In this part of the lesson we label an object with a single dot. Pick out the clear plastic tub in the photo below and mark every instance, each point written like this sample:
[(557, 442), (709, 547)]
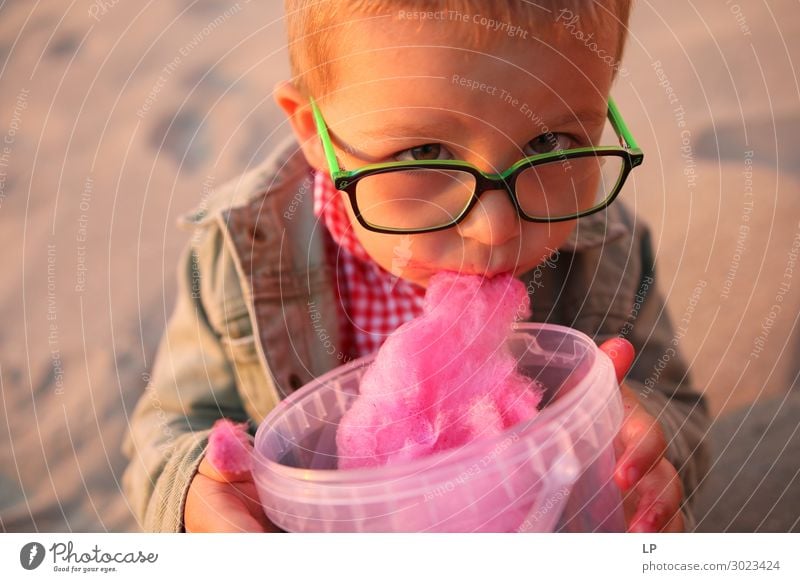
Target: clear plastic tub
[(552, 473)]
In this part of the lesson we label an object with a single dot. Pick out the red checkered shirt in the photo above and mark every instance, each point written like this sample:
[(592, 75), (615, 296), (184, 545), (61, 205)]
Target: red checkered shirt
[(373, 302)]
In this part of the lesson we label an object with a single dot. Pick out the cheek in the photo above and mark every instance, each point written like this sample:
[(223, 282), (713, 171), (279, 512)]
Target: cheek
[(381, 247), (545, 238), (395, 253)]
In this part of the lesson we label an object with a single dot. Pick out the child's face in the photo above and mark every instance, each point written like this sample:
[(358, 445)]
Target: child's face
[(394, 96)]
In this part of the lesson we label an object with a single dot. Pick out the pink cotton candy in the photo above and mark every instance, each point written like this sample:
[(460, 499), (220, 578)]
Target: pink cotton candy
[(444, 378), (229, 448)]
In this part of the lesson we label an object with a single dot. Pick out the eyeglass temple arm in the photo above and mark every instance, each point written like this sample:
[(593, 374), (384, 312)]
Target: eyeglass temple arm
[(619, 126), (327, 145)]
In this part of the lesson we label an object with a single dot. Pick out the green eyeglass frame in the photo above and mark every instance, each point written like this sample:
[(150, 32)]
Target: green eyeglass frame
[(347, 180)]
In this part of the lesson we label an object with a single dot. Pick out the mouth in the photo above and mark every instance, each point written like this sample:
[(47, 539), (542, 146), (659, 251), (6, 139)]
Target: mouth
[(495, 268), (485, 272), (488, 273)]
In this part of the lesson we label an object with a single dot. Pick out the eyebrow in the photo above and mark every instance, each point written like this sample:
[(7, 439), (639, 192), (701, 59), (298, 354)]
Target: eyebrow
[(411, 129), (440, 129), (588, 117)]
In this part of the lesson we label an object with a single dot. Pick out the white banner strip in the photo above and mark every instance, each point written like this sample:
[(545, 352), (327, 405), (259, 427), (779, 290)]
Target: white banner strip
[(400, 557)]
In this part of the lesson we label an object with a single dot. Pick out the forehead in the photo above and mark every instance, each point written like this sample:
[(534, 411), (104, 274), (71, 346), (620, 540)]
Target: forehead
[(389, 65)]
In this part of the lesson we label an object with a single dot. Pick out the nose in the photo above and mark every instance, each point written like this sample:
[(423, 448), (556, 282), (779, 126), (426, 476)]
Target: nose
[(493, 221)]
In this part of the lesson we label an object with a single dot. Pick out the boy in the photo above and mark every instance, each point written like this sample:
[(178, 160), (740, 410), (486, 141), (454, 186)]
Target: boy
[(286, 277)]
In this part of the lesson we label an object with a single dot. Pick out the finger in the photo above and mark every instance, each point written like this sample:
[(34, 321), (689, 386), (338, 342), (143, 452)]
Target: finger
[(212, 506), (630, 503), (630, 405), (622, 353), (676, 524), (643, 447), (660, 500), (207, 469)]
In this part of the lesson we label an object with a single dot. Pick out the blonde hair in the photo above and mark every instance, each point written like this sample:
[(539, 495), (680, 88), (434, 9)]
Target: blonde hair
[(312, 25)]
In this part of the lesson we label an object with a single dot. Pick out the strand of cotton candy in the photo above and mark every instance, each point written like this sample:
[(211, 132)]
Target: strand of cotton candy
[(444, 378), (229, 447)]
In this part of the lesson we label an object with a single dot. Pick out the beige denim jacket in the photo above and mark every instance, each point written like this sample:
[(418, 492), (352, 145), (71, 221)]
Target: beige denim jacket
[(242, 336)]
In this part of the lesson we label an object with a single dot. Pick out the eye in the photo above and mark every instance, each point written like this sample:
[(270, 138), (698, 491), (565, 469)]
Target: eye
[(550, 142), (426, 152)]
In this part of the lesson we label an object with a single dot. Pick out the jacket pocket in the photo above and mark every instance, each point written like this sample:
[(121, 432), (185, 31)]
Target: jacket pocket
[(256, 387)]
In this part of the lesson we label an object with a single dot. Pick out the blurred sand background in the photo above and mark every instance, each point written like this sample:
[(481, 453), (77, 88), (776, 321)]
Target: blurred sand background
[(117, 116)]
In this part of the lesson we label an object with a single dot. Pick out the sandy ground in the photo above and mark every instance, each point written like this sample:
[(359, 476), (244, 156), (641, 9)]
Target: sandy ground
[(115, 117)]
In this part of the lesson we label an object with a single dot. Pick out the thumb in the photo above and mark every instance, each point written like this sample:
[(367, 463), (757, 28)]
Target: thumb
[(208, 469), (621, 352)]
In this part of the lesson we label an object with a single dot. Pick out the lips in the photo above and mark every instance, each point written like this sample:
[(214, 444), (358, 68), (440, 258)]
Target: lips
[(488, 272), (499, 273)]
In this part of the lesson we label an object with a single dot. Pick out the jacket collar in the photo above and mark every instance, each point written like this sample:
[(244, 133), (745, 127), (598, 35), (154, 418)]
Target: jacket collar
[(596, 230)]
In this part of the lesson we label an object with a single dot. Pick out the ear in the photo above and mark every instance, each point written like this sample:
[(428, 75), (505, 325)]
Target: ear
[(298, 110)]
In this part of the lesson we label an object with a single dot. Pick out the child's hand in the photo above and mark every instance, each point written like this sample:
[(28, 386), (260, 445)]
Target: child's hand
[(654, 490), (224, 502)]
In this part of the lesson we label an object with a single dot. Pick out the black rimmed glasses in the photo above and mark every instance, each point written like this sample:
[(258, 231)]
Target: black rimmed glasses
[(408, 197)]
